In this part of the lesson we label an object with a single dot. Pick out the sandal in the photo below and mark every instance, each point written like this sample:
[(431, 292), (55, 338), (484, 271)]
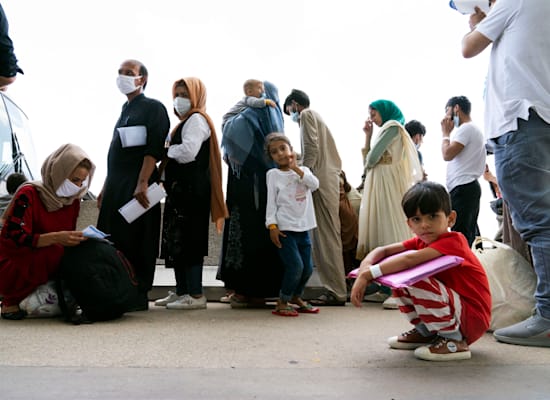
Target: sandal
[(227, 298), (238, 301), (285, 312), (327, 300), (308, 309)]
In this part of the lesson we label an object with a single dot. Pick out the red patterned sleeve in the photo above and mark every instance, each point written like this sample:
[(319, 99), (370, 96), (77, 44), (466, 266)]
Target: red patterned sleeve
[(19, 222)]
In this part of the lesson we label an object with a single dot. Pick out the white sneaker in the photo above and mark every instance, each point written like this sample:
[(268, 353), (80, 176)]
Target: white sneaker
[(187, 302), (390, 304), (168, 299)]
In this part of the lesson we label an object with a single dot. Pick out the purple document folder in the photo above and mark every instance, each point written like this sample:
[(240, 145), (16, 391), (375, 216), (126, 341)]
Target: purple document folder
[(412, 275)]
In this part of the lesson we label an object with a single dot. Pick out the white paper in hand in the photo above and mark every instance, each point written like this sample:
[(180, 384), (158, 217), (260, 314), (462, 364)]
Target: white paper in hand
[(133, 210), (131, 136), (93, 233)]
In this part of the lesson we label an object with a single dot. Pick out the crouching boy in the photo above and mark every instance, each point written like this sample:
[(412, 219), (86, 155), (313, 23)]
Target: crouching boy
[(449, 310)]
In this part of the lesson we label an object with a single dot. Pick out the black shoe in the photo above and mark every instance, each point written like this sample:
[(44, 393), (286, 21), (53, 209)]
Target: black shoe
[(14, 315), (142, 304)]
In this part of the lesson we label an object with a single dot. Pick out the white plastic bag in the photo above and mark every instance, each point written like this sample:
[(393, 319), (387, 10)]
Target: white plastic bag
[(43, 302), (512, 282)]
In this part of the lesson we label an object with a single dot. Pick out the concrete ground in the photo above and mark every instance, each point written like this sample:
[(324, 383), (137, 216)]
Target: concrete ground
[(224, 353)]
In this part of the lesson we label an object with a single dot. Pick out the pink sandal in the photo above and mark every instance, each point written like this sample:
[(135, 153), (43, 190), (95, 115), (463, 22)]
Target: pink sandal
[(285, 312)]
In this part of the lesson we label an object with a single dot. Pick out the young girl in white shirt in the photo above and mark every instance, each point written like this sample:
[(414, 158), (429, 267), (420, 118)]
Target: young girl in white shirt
[(289, 217)]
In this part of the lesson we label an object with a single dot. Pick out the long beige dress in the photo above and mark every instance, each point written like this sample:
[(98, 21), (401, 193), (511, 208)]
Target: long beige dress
[(319, 154), (381, 218)]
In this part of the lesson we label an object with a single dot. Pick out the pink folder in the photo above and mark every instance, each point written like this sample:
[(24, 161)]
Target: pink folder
[(412, 275)]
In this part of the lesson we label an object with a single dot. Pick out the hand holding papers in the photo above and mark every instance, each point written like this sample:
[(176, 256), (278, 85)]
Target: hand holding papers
[(412, 275), (132, 210)]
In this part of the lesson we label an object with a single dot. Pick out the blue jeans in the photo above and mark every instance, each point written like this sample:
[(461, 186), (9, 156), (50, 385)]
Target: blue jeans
[(188, 279), (522, 161), (298, 264)]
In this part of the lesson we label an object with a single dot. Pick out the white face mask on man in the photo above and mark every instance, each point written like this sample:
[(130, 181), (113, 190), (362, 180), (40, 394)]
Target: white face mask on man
[(182, 105), (69, 189), (127, 84)]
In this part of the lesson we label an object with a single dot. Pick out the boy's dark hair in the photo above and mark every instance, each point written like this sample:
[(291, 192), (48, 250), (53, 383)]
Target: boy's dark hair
[(299, 97), (15, 180), (274, 137), (462, 102), (414, 127), (427, 197)]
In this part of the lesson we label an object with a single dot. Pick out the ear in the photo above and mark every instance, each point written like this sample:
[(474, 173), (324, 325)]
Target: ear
[(457, 109), (451, 219), (142, 81)]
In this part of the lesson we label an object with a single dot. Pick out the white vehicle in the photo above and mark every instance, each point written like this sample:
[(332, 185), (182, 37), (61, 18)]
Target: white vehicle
[(17, 153)]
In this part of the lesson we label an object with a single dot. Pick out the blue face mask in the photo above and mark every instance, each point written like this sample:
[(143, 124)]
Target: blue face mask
[(295, 116), (456, 120)]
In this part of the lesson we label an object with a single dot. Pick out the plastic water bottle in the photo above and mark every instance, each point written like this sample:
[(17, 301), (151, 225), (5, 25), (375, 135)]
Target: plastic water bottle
[(468, 6)]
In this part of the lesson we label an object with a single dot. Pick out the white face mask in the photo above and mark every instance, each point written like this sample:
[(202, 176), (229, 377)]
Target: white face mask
[(127, 84), (456, 120), (182, 105), (69, 189)]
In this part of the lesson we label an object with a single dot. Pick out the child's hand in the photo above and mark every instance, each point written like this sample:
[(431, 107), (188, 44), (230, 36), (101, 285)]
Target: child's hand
[(363, 279), (294, 166), (270, 103), (274, 236), (292, 161), (358, 290)]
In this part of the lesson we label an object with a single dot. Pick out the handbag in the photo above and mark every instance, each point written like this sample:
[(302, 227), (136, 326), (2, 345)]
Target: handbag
[(43, 302), (512, 282)]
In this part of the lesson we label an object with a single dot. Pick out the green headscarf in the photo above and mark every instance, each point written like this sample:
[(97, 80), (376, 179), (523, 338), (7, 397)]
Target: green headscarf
[(388, 110)]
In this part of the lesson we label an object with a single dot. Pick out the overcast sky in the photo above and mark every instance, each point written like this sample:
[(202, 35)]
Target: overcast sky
[(344, 54)]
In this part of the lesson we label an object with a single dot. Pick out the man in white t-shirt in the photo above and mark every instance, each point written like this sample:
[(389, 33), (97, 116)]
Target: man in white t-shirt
[(517, 118), (463, 147)]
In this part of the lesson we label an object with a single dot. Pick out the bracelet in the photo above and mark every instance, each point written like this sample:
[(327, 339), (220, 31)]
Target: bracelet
[(446, 139), (375, 271), (272, 227)]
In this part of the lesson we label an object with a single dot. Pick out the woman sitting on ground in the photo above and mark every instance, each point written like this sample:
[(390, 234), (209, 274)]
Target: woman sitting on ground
[(40, 222)]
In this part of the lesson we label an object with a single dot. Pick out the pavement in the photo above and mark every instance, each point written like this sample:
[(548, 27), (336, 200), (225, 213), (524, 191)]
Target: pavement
[(224, 353)]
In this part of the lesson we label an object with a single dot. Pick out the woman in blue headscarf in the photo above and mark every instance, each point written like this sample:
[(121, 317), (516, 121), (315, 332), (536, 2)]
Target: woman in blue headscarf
[(391, 168), (249, 263)]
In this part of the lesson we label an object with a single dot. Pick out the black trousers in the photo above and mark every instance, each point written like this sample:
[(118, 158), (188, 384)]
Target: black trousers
[(465, 201)]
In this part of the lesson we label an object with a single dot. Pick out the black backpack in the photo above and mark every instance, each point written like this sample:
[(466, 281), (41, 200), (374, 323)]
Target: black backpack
[(99, 278)]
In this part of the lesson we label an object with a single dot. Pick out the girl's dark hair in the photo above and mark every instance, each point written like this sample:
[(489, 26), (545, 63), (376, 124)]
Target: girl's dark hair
[(347, 186), (274, 137), (427, 197)]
